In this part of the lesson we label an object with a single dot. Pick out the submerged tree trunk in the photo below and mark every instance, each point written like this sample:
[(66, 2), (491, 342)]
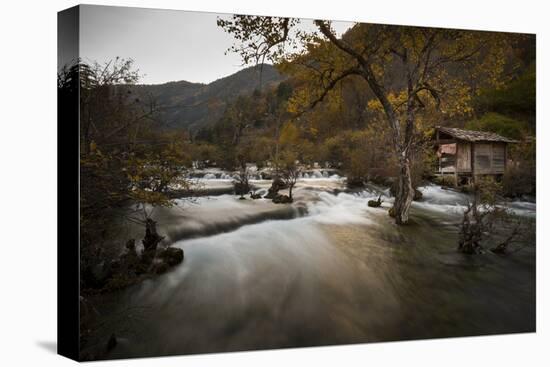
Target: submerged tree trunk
[(403, 144), (150, 241), (405, 193)]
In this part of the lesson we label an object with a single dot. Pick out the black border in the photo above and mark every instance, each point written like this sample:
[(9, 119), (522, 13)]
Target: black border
[(68, 211)]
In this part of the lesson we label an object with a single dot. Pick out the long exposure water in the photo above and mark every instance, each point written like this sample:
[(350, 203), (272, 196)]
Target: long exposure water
[(325, 270)]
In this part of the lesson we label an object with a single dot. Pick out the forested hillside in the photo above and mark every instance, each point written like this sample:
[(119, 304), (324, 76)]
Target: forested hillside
[(347, 128), (189, 106)]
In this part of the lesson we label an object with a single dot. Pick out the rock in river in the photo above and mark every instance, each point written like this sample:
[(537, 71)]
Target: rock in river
[(171, 255)]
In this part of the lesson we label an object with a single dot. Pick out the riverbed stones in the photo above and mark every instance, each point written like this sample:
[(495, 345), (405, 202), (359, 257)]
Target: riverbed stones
[(254, 196), (166, 258), (282, 199), (171, 256)]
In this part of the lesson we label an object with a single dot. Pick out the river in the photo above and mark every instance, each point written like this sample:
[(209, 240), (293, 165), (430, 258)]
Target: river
[(325, 270)]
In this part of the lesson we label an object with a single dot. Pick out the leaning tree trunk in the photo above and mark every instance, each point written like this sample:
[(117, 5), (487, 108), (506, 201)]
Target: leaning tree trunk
[(405, 192)]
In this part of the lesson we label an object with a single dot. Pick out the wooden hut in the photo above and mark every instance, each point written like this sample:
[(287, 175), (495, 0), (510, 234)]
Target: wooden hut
[(466, 154)]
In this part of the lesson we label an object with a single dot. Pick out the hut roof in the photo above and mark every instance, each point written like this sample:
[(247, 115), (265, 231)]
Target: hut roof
[(474, 136)]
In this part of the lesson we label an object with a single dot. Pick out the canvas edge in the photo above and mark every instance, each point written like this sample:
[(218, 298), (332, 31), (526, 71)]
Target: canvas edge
[(68, 211)]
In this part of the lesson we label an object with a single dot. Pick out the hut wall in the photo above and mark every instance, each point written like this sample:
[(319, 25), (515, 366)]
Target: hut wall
[(447, 160), (464, 158), (489, 158), (498, 159)]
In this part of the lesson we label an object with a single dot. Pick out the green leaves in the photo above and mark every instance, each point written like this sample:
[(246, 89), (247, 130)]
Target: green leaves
[(500, 124)]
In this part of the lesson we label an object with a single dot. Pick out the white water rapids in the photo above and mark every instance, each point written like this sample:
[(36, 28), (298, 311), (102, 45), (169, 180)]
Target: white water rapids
[(327, 269)]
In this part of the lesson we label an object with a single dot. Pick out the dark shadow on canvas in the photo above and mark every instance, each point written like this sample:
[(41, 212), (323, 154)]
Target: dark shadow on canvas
[(50, 346)]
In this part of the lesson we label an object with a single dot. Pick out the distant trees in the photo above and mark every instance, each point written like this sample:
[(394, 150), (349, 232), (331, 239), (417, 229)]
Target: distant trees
[(509, 110), (405, 69), (500, 124), (249, 128), (516, 99)]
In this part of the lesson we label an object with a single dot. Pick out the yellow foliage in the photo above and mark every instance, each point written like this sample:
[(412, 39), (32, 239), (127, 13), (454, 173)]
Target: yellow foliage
[(289, 134)]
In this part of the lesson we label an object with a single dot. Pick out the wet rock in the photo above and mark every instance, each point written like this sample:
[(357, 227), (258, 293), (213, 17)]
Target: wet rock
[(417, 195), (171, 256), (254, 196), (282, 199), (166, 258), (375, 203), (276, 185)]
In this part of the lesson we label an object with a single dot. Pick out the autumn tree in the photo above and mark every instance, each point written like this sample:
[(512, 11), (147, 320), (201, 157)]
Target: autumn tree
[(290, 174), (127, 168), (404, 68)]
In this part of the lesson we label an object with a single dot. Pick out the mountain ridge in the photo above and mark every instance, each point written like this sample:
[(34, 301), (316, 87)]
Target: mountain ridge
[(191, 106)]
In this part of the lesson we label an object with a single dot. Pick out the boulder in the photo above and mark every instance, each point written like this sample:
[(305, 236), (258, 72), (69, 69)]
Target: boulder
[(171, 256), (375, 203), (276, 185), (254, 196)]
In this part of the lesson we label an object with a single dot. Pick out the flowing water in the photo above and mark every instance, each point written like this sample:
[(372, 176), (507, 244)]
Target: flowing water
[(325, 270)]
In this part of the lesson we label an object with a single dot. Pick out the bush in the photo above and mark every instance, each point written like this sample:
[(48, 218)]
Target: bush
[(520, 176)]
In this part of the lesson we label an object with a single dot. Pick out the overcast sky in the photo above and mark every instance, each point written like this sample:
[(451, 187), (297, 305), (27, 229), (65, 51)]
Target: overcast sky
[(166, 45)]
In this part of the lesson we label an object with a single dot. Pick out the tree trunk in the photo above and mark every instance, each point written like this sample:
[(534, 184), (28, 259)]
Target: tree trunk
[(405, 192), (290, 190), (150, 241)]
